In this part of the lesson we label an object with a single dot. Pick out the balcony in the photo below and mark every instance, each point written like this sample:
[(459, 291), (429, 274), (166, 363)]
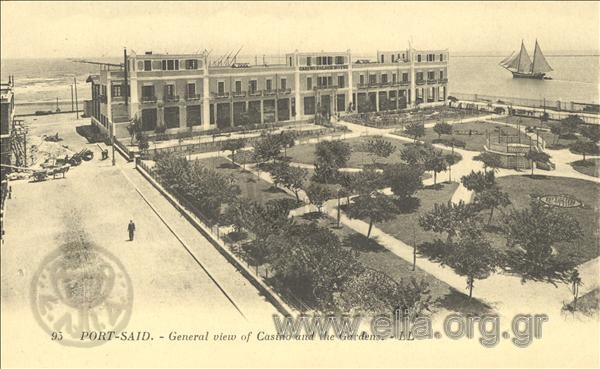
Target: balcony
[(404, 83), (171, 98), (238, 94), (420, 82), (269, 92), (431, 81), (191, 97), (325, 87), (285, 91), (443, 80), (255, 93), (220, 95), (148, 99)]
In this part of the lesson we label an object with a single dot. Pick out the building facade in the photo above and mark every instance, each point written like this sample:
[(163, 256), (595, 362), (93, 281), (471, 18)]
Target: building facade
[(185, 92), (7, 116)]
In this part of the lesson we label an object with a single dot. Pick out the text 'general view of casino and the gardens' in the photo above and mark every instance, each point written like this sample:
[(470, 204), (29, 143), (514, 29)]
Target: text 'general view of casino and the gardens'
[(170, 188)]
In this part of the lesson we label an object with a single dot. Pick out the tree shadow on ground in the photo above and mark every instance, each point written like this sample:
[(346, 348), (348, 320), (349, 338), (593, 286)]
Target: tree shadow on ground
[(435, 187), (312, 216), (460, 303), (227, 166), (537, 176), (408, 205), (273, 189), (359, 242)]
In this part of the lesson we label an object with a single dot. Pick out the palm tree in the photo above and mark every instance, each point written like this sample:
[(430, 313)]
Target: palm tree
[(575, 281)]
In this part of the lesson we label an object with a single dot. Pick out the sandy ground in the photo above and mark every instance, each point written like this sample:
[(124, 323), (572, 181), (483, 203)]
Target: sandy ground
[(93, 205)]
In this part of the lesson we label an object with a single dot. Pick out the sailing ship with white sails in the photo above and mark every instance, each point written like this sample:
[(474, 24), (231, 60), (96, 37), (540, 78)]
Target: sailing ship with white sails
[(521, 66)]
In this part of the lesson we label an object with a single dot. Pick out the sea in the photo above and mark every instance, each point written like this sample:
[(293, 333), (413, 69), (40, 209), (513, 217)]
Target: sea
[(45, 84)]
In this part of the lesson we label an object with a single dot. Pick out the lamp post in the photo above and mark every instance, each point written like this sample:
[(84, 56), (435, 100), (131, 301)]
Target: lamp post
[(112, 142)]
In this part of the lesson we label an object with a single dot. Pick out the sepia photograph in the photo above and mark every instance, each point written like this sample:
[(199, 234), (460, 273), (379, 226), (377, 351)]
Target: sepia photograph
[(320, 184)]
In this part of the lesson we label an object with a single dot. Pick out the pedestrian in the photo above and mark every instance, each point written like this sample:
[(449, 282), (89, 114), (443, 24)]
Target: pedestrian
[(131, 229)]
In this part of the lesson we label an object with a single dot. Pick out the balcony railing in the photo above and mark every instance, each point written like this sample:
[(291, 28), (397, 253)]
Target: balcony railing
[(238, 94), (255, 93), (420, 82), (285, 91), (190, 97), (148, 99), (325, 87), (431, 81), (171, 98), (443, 80), (404, 83), (222, 95), (269, 92)]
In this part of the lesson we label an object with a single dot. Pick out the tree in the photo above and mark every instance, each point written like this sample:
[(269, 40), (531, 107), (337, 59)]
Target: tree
[(491, 198), (436, 162), (404, 180), (309, 259), (415, 130), (330, 157), (287, 140), (233, 146), (376, 207), (447, 218), (585, 148), (318, 194), (442, 128), (379, 148), (490, 160), (289, 177), (530, 235), (575, 281), (556, 130), (471, 256), (366, 181), (571, 124), (269, 148), (535, 157), (479, 181), (416, 154), (592, 132)]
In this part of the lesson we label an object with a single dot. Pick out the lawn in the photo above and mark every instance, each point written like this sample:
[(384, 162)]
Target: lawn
[(591, 167), (306, 153), (525, 121), (473, 134), (406, 227), (520, 187), (251, 187), (377, 257), (587, 304)]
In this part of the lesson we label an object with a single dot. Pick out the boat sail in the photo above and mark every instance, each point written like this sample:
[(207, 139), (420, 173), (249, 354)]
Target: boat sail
[(521, 66)]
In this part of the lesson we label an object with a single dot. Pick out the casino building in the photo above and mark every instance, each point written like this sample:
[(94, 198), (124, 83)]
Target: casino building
[(188, 92)]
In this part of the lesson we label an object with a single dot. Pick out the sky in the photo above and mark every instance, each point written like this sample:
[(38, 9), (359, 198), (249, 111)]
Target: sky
[(102, 29)]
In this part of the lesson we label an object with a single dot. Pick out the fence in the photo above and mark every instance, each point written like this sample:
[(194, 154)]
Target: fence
[(212, 234), (570, 106)]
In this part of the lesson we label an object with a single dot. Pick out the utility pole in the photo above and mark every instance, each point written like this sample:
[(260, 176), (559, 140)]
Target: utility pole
[(112, 142), (76, 103), (72, 103)]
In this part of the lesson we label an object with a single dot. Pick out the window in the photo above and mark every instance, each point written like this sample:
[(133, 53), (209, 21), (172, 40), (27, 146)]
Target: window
[(269, 84), (318, 60), (361, 79), (147, 65), (441, 57), (221, 88), (430, 75), (238, 86), (116, 91), (419, 76), (382, 58), (441, 74), (148, 91), (283, 83), (372, 79), (308, 83), (191, 64), (394, 79), (191, 89), (339, 60), (170, 90), (252, 86), (164, 65), (330, 60), (308, 61), (290, 61), (341, 81), (170, 64), (419, 58), (384, 78), (404, 77)]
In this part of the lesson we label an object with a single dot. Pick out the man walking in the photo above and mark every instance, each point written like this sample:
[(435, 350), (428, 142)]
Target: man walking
[(131, 229)]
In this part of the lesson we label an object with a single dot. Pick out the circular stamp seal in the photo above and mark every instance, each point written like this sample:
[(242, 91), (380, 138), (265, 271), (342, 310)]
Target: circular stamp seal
[(81, 289)]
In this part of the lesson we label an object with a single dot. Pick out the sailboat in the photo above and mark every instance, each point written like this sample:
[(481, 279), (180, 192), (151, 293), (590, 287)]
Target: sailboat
[(521, 66)]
